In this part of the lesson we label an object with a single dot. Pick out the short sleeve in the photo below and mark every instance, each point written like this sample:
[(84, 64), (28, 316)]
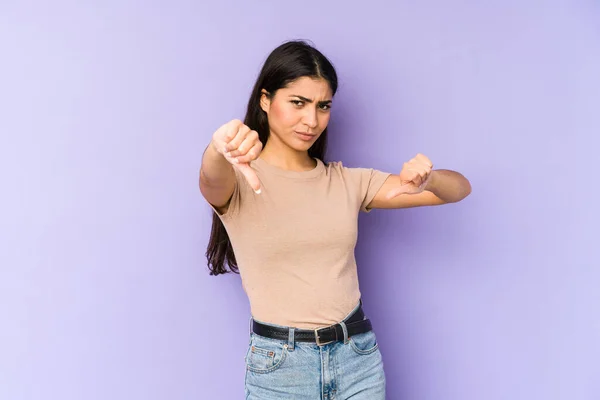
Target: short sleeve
[(366, 183), (371, 181), (236, 198)]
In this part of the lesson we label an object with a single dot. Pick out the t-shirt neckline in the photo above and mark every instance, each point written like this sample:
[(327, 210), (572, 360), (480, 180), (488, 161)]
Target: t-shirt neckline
[(262, 164)]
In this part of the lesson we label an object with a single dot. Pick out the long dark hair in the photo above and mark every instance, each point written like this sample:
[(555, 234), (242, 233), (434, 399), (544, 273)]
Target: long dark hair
[(288, 62)]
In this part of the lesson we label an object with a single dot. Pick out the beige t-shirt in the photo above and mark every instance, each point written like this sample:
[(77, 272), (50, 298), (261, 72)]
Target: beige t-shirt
[(294, 242)]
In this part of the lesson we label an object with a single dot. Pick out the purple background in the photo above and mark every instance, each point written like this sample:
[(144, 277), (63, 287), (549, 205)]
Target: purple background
[(106, 108)]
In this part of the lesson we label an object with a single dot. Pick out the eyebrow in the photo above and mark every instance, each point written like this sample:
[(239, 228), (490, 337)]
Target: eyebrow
[(309, 100)]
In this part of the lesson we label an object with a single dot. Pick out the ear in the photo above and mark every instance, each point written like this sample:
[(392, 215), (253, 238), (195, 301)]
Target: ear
[(265, 101)]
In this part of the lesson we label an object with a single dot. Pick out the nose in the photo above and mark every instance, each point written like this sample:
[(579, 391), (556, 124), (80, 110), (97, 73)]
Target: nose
[(311, 117)]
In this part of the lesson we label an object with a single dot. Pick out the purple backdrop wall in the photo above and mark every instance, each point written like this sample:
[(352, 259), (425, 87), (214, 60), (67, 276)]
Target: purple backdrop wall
[(106, 108)]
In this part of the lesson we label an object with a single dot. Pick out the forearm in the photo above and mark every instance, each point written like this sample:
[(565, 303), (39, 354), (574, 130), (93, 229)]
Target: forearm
[(448, 185), (216, 171)]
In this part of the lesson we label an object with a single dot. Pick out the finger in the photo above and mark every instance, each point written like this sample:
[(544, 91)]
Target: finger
[(423, 171), (415, 176), (408, 172), (424, 160), (250, 176), (414, 165), (225, 134), (232, 160), (247, 144), (234, 143), (252, 154), (425, 182), (422, 165)]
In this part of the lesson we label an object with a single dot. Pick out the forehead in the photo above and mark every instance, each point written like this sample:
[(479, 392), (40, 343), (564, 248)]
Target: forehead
[(313, 88)]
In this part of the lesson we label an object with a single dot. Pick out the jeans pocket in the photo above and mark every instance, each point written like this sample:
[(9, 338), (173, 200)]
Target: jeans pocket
[(364, 343), (265, 355)]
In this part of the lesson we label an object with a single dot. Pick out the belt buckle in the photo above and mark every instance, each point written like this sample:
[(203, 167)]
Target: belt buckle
[(319, 343)]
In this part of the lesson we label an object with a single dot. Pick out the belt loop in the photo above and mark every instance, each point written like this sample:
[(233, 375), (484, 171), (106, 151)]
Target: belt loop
[(291, 338), (345, 330)]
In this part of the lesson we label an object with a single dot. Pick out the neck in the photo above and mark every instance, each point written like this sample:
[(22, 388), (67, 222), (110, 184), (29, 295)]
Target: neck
[(282, 156)]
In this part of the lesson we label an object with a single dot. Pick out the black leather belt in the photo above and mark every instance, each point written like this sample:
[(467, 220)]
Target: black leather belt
[(355, 324)]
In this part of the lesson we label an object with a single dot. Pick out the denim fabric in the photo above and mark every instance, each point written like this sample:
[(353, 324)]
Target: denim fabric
[(283, 369)]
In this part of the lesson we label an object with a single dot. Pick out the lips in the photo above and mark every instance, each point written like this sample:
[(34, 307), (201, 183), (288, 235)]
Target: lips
[(305, 135)]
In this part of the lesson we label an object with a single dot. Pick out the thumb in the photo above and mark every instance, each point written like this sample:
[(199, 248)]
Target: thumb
[(250, 176)]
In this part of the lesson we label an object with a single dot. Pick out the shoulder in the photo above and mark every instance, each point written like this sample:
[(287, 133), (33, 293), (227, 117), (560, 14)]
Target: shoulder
[(334, 165), (337, 168), (345, 170)]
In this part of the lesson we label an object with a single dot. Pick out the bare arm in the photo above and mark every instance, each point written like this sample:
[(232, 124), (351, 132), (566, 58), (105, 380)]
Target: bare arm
[(418, 185), (217, 178), (233, 145), (445, 186), (448, 185)]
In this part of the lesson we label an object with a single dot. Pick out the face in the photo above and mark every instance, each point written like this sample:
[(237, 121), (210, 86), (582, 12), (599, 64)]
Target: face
[(299, 112)]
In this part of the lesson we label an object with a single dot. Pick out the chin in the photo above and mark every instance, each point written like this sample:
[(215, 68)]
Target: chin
[(301, 145), (304, 146)]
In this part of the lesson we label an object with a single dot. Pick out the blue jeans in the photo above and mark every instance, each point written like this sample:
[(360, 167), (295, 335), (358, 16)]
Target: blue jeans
[(283, 369)]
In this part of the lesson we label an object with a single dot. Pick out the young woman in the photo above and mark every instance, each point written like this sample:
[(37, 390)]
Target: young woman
[(288, 221)]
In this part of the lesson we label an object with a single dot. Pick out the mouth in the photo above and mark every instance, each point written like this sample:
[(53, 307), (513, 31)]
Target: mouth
[(305, 135)]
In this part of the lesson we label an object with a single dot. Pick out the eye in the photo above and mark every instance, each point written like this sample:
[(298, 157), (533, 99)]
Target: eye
[(297, 103), (325, 107)]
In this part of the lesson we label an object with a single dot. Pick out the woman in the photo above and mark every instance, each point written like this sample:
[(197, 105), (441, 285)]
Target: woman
[(289, 221)]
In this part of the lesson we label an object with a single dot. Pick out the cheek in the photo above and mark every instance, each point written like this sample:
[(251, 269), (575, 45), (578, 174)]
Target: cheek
[(282, 115), (324, 120)]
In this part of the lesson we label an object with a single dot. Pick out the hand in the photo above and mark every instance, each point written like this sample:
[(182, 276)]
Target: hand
[(414, 176), (239, 145)]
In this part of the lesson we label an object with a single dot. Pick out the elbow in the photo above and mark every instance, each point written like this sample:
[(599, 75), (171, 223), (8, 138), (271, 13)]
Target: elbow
[(465, 190), (460, 191)]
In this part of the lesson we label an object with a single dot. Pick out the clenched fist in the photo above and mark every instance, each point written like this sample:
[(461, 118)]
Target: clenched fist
[(239, 145), (414, 176)]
